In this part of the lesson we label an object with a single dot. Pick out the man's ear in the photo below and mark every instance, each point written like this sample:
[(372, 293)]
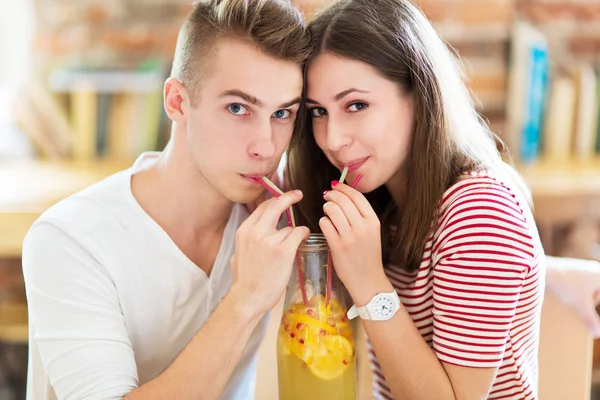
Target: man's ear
[(176, 99)]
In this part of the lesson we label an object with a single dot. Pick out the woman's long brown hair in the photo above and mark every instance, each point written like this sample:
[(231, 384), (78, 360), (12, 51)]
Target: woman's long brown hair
[(449, 137)]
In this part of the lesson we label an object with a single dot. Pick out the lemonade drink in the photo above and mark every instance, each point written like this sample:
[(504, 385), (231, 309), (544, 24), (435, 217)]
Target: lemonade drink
[(315, 351)]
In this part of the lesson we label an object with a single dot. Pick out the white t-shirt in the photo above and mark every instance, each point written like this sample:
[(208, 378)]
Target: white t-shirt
[(113, 301)]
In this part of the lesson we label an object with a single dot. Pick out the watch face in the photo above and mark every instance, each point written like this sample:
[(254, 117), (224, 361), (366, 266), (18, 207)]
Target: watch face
[(384, 306)]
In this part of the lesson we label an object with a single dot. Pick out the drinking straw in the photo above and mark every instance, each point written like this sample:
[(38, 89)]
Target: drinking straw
[(329, 260), (356, 180), (329, 279), (344, 173), (275, 191), (278, 192)]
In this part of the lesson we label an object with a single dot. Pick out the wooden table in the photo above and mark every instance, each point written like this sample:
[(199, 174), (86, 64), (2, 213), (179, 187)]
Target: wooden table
[(566, 199), (27, 189)]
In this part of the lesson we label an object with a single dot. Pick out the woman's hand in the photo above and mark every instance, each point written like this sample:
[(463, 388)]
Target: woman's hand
[(352, 230)]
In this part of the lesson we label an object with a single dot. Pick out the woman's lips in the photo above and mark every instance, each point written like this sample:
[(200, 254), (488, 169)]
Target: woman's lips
[(356, 164)]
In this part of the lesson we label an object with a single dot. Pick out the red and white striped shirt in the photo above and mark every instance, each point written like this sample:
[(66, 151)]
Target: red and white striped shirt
[(476, 298)]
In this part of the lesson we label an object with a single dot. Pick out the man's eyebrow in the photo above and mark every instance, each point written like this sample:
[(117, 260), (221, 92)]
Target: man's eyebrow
[(255, 101), (291, 102), (242, 95)]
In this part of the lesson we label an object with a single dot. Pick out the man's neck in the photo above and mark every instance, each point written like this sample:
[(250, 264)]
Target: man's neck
[(178, 197)]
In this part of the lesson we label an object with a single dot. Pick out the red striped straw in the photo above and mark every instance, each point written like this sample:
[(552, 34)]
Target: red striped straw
[(330, 261), (356, 180), (275, 191), (329, 279)]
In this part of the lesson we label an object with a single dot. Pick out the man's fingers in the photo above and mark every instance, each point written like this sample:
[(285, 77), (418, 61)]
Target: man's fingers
[(257, 213), (280, 235), (274, 208), (295, 238)]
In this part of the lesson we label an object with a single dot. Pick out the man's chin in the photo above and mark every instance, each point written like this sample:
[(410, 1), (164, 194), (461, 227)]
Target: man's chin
[(248, 196)]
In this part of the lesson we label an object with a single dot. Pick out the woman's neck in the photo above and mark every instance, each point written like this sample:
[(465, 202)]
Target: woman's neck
[(396, 186)]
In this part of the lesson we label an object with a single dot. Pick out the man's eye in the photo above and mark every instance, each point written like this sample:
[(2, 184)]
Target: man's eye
[(237, 109), (282, 114)]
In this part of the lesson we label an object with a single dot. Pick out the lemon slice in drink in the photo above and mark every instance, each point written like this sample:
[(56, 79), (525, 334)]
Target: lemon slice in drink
[(319, 304), (313, 323), (331, 357)]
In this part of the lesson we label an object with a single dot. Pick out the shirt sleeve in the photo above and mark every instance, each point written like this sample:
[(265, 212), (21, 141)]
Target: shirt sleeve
[(77, 322), (481, 278)]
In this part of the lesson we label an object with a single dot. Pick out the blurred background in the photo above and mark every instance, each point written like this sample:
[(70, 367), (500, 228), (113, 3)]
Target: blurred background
[(80, 98)]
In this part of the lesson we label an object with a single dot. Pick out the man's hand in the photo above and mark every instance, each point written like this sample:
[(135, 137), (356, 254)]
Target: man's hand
[(264, 256)]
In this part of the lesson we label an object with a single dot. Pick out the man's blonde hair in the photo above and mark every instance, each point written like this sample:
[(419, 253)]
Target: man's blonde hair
[(275, 27)]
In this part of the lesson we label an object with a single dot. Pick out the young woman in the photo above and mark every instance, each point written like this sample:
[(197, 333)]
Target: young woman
[(438, 219)]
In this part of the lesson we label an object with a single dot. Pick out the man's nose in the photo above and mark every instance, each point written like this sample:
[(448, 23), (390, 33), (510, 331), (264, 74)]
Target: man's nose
[(262, 144)]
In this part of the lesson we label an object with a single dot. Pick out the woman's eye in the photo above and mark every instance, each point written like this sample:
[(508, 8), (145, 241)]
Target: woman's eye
[(318, 112), (282, 114), (237, 109), (355, 107)]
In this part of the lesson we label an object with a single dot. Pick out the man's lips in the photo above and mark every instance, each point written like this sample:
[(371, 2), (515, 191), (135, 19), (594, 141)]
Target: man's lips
[(253, 176), (259, 175)]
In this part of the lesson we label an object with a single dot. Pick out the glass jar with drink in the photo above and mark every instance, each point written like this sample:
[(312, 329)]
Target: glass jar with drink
[(315, 346)]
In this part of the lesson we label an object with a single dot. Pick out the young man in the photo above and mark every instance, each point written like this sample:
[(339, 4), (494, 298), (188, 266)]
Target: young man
[(130, 286)]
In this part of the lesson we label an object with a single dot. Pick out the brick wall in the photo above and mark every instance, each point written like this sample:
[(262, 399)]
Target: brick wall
[(101, 32), (123, 30), (479, 30), (573, 26)]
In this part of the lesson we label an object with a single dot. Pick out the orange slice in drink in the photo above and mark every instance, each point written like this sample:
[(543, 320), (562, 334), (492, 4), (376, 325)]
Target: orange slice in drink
[(331, 357)]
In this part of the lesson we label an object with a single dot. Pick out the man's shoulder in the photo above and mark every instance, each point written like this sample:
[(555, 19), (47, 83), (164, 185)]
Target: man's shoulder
[(96, 204)]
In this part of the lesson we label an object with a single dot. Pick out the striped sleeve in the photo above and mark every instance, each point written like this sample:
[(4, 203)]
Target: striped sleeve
[(484, 252)]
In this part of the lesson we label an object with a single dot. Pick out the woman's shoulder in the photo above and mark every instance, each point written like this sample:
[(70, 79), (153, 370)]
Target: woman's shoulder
[(482, 213), (485, 201), (484, 188)]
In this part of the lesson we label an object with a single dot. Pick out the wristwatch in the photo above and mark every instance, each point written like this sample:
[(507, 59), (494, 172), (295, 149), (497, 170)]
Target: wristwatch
[(382, 307)]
